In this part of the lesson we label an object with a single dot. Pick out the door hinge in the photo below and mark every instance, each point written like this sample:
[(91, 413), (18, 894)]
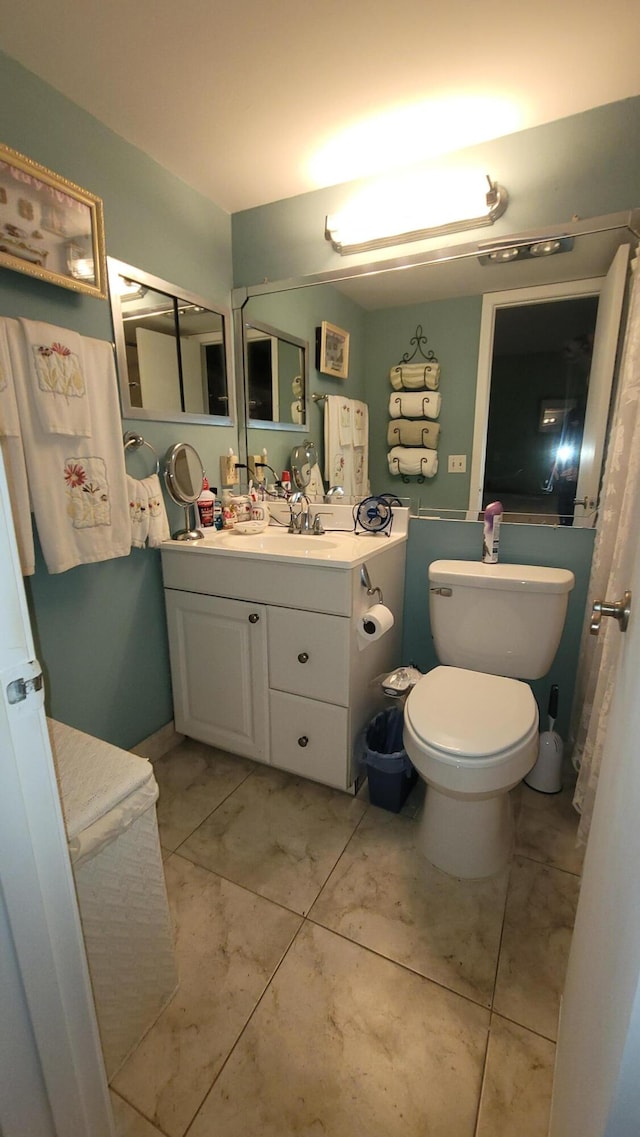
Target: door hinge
[(20, 689)]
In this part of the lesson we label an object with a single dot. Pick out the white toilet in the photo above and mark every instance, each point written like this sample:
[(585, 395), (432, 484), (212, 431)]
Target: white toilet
[(471, 727)]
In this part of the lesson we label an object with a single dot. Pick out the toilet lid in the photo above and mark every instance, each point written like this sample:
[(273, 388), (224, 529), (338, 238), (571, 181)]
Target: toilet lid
[(470, 714)]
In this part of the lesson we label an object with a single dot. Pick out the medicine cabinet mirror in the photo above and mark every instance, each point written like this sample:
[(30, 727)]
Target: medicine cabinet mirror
[(172, 350), (441, 290), (276, 377)]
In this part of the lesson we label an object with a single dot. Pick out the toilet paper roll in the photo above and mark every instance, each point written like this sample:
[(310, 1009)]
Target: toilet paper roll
[(374, 623)]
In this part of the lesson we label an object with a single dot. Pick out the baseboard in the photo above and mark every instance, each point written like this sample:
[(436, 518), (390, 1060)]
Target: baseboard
[(158, 743)]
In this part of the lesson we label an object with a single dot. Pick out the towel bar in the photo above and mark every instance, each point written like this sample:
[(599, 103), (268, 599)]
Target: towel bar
[(134, 441)]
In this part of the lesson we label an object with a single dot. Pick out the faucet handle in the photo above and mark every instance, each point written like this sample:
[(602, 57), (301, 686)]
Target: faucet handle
[(318, 527)]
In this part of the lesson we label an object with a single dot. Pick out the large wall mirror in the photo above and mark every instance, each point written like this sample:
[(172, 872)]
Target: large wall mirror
[(276, 377), (540, 358), (172, 349)]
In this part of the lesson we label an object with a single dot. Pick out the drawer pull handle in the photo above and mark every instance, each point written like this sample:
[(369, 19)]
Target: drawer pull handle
[(303, 740), (303, 657), (253, 618)]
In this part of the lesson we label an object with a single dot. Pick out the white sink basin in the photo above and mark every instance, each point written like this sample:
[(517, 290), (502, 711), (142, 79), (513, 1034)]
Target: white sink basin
[(287, 544)]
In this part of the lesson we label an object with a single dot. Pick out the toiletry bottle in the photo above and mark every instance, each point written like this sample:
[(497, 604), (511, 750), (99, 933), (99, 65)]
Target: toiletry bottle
[(285, 481), (206, 503), (491, 532), (217, 511), (228, 518)]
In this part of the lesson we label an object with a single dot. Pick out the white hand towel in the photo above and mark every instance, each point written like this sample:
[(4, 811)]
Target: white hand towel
[(316, 484), (414, 405), (413, 461), (78, 486), (345, 425), (157, 513), (138, 512), (414, 376), (56, 372), (13, 455), (413, 432), (360, 423)]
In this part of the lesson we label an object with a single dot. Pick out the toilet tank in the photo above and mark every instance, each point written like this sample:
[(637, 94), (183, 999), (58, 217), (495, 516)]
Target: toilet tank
[(499, 619)]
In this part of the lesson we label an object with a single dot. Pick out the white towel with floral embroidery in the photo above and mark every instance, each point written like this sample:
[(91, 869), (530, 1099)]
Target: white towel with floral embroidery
[(78, 484), (138, 512), (57, 374), (158, 520), (13, 455)]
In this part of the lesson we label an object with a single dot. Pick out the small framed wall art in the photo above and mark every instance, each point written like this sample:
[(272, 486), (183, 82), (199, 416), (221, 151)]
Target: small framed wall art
[(50, 227), (332, 356)]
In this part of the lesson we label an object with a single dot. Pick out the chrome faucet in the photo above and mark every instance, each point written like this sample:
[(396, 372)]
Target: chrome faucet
[(300, 522)]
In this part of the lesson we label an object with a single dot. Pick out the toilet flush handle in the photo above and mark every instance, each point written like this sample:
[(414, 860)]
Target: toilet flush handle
[(619, 609)]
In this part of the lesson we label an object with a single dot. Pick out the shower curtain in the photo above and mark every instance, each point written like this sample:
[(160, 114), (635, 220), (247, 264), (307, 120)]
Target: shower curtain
[(618, 530)]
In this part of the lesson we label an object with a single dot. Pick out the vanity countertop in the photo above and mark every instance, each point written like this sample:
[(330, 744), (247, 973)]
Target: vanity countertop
[(335, 550)]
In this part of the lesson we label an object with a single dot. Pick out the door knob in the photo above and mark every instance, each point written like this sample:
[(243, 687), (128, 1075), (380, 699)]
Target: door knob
[(620, 610)]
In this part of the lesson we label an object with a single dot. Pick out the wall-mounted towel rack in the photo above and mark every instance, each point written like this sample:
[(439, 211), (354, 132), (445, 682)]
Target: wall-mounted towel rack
[(133, 441), (315, 398)]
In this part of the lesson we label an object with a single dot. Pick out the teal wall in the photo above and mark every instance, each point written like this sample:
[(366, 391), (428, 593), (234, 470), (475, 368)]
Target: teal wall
[(100, 629), (519, 544), (452, 328), (586, 164)]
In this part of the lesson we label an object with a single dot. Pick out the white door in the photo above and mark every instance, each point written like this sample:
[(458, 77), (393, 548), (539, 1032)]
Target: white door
[(610, 291), (597, 1084), (52, 1081), (600, 380)]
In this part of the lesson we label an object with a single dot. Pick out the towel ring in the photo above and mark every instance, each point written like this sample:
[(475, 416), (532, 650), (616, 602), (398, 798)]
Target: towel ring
[(133, 441)]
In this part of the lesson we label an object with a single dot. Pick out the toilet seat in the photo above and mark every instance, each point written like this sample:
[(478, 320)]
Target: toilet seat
[(469, 718)]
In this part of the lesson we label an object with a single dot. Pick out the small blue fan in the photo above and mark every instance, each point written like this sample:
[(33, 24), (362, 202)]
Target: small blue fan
[(374, 515)]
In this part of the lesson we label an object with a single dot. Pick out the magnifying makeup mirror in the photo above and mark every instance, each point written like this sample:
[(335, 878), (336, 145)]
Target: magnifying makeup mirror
[(183, 475), (303, 459)]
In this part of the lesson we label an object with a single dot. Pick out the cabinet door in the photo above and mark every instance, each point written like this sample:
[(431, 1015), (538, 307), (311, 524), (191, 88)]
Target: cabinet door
[(309, 654), (311, 739), (218, 652)]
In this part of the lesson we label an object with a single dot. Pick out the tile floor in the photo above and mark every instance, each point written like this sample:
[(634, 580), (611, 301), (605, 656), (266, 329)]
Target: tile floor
[(333, 984)]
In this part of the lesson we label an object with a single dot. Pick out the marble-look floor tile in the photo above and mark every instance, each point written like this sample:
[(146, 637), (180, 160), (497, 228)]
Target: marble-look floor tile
[(547, 827), (384, 895), (193, 779), (228, 944), (516, 1092), (538, 924), (347, 1044), (128, 1122), (278, 835)]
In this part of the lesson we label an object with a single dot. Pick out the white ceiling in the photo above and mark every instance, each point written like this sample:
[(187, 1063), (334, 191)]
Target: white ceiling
[(258, 100)]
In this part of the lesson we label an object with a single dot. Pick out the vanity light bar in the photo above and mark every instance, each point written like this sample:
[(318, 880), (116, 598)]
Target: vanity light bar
[(495, 253), (336, 228)]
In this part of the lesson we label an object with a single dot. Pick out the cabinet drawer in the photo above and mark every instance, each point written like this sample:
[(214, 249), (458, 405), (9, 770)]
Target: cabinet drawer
[(309, 654), (310, 738)]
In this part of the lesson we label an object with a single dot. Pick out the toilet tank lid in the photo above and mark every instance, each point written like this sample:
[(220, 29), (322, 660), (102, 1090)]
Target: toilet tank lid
[(512, 578)]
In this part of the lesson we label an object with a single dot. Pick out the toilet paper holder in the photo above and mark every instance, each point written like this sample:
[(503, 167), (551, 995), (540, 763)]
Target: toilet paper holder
[(366, 583)]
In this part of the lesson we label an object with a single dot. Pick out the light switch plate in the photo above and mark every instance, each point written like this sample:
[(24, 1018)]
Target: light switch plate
[(457, 463)]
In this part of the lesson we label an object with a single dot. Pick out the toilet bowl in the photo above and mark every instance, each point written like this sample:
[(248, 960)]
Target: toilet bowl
[(472, 737)]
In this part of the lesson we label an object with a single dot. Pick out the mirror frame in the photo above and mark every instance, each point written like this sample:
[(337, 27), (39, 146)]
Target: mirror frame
[(286, 337), (115, 269), (627, 219), (171, 482)]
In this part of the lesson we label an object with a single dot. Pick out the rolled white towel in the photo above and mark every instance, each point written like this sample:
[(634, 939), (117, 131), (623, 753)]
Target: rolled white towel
[(414, 376), (413, 432), (414, 404), (413, 461)]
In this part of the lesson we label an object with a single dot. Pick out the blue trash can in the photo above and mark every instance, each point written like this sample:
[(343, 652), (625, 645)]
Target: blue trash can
[(390, 773)]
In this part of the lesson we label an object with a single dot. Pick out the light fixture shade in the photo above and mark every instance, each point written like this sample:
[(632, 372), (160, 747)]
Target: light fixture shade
[(405, 210)]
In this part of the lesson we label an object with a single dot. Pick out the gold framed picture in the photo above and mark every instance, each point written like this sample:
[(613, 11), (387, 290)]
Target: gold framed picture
[(49, 227), (333, 350)]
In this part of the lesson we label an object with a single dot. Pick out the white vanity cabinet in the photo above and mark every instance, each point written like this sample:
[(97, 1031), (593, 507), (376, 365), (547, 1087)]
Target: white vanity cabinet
[(266, 660), (218, 651)]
